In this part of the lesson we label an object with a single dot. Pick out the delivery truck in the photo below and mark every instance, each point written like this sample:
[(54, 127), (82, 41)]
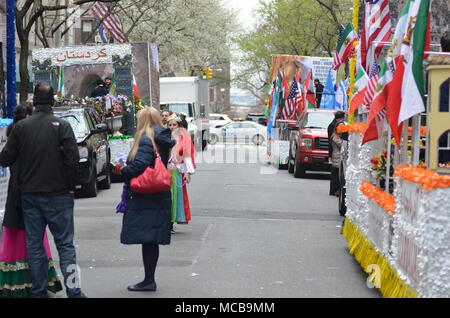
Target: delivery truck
[(189, 95)]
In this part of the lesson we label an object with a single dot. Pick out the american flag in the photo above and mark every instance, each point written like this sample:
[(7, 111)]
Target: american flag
[(292, 101), (372, 85), (110, 20), (337, 59), (377, 27)]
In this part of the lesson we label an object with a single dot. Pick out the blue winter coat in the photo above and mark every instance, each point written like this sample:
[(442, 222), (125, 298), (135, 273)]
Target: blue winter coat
[(147, 219)]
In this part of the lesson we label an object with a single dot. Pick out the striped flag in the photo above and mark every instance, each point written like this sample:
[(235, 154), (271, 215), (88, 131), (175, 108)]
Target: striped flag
[(377, 27), (290, 105), (362, 80), (110, 20), (376, 123), (309, 91), (395, 97), (61, 82), (346, 41), (372, 85), (417, 41), (137, 96)]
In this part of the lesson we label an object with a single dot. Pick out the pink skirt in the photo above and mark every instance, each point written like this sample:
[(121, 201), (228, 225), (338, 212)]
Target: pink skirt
[(13, 247), (15, 279)]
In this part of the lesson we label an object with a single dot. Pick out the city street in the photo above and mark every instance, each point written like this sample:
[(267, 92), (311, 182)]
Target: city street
[(252, 234)]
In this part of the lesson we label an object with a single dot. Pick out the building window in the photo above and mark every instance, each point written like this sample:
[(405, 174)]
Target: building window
[(87, 26), (444, 97), (444, 148)]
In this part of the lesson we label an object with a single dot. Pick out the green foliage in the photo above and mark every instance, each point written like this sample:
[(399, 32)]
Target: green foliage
[(292, 27)]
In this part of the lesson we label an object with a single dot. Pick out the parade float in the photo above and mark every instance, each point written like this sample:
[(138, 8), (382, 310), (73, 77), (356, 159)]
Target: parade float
[(291, 75), (133, 68), (397, 222)]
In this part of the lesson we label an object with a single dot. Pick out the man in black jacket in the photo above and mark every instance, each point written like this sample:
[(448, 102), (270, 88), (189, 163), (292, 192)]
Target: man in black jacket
[(100, 90), (319, 92), (47, 152)]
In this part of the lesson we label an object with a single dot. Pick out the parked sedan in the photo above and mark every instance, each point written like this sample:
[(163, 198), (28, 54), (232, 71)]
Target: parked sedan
[(218, 120), (239, 131), (92, 138)]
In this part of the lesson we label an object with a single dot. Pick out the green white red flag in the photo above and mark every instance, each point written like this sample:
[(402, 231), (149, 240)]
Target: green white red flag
[(345, 45), (61, 87), (137, 96), (413, 87), (362, 79), (376, 123), (308, 91), (411, 39)]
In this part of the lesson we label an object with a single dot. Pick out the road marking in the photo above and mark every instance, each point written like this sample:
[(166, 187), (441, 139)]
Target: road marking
[(203, 239)]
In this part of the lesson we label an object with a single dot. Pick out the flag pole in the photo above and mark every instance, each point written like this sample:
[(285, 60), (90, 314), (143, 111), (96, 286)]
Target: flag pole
[(415, 140), (388, 160), (355, 22)]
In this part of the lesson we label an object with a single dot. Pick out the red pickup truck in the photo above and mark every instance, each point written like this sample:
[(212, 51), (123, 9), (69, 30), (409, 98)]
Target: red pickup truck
[(309, 142)]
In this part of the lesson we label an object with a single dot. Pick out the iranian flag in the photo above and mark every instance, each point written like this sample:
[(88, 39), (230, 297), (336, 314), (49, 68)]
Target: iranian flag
[(345, 46), (137, 96), (362, 79), (309, 92), (411, 39), (376, 123), (413, 86), (401, 29), (60, 92)]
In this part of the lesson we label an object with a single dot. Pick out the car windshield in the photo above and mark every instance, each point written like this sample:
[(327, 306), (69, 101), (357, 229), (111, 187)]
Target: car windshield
[(76, 121), (318, 120), (179, 108)]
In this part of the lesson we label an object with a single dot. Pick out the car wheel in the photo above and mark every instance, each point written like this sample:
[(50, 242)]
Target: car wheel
[(258, 140), (213, 139), (90, 189), (204, 142), (290, 165), (105, 184), (299, 169), (342, 205)]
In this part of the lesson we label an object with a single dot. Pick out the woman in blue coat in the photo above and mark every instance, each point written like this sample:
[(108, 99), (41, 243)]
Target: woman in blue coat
[(147, 219)]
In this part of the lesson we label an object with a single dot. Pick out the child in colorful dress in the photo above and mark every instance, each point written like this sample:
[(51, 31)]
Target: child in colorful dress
[(182, 166)]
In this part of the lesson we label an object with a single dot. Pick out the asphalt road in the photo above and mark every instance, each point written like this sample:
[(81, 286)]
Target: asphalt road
[(256, 232)]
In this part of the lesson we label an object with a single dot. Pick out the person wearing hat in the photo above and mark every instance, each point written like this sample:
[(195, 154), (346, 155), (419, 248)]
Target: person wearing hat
[(100, 90), (183, 122), (46, 150), (108, 80)]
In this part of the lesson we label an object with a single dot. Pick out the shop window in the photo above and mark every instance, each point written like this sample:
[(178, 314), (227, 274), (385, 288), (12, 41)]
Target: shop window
[(444, 97), (444, 148)]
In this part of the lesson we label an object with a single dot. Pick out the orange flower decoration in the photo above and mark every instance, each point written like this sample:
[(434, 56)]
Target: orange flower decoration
[(358, 128), (429, 180), (383, 199), (343, 129), (423, 131)]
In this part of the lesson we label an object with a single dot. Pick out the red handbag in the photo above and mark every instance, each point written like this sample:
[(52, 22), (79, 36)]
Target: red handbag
[(153, 180)]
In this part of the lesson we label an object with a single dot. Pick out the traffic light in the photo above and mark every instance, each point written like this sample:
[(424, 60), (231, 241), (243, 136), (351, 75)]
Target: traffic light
[(209, 73), (205, 72)]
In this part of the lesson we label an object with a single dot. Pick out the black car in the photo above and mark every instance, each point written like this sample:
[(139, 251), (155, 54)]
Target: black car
[(257, 117), (92, 138)]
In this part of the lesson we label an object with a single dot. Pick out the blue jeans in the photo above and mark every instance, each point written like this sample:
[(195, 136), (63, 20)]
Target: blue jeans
[(56, 212)]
